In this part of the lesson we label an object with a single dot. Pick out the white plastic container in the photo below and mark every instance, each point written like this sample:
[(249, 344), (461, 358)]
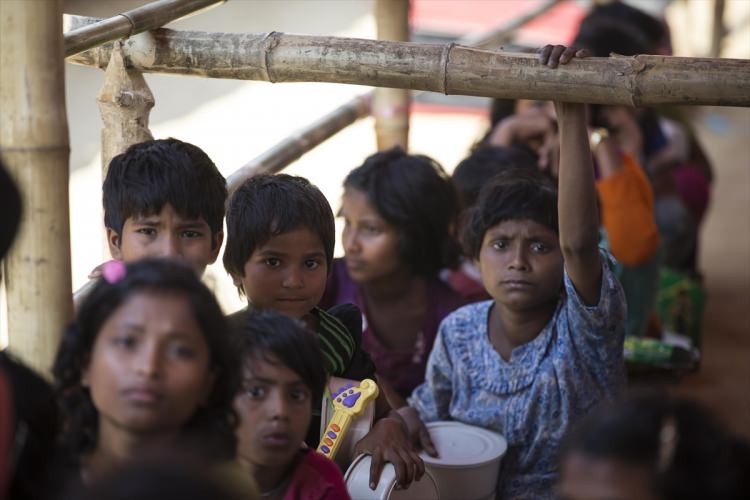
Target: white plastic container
[(357, 480), (469, 460)]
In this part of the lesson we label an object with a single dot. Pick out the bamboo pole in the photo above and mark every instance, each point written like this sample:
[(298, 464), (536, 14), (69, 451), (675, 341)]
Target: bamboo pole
[(132, 22), (34, 146), (125, 102), (290, 149), (718, 29), (390, 107), (643, 80)]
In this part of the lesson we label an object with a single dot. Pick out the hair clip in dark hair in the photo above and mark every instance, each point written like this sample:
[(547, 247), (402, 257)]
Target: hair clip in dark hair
[(113, 271)]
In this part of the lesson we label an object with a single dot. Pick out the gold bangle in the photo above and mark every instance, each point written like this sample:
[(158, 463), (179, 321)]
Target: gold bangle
[(596, 137)]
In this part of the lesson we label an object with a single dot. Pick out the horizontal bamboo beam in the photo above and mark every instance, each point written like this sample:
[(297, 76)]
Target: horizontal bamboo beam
[(132, 22), (643, 80), (290, 149)]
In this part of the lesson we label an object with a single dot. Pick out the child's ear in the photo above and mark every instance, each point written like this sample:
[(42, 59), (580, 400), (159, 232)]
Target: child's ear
[(216, 240), (113, 241)]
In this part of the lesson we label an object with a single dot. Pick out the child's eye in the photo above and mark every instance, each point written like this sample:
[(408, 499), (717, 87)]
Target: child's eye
[(125, 341), (312, 264), (539, 247), (373, 230), (499, 245), (255, 391), (191, 234), (147, 231), (299, 395), (273, 262), (182, 351)]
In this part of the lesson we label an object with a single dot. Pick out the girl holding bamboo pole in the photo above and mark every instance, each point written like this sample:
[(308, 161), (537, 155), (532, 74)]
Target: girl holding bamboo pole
[(548, 347)]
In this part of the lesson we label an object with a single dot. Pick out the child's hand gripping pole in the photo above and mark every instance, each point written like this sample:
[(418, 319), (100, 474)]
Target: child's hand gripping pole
[(348, 402)]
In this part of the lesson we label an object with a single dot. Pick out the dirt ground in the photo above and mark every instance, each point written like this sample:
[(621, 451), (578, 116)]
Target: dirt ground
[(723, 381)]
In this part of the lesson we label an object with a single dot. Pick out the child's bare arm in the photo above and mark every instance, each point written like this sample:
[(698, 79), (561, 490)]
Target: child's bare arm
[(578, 215), (577, 211)]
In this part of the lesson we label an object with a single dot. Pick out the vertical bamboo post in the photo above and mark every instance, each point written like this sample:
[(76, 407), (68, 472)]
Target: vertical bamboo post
[(718, 30), (390, 107), (34, 146), (125, 102)]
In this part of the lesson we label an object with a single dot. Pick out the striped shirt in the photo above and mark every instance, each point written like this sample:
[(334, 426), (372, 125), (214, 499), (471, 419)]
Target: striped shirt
[(339, 333), (336, 342)]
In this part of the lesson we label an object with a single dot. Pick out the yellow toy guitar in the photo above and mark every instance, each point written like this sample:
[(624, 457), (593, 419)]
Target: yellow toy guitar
[(348, 402)]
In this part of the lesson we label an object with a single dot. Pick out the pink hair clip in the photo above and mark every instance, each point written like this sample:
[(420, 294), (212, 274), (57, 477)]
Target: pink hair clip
[(113, 271)]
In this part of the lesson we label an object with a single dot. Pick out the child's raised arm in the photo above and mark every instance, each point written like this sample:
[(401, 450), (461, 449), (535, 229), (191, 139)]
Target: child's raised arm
[(577, 211), (578, 215)]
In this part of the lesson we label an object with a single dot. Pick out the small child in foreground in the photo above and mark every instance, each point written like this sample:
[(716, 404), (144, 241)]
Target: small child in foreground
[(548, 347), (283, 380)]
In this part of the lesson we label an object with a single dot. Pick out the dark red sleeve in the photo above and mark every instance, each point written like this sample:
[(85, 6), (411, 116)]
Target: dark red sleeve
[(317, 478)]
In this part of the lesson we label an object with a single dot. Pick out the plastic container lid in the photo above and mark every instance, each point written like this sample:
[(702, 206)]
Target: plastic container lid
[(460, 445)]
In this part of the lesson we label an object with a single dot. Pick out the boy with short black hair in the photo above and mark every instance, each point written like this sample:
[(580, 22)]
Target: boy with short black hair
[(164, 198), (280, 241)]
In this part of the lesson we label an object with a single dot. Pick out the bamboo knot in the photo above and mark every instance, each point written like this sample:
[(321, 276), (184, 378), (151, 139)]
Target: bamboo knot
[(132, 24), (125, 99), (270, 42), (637, 67), (444, 59)]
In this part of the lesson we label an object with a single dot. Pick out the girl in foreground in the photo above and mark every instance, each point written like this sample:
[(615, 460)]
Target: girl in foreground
[(145, 365)]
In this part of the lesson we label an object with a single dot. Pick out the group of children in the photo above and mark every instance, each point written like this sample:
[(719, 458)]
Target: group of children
[(151, 364)]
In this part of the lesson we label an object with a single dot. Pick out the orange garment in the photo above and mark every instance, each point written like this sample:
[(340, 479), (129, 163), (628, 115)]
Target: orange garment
[(627, 211)]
